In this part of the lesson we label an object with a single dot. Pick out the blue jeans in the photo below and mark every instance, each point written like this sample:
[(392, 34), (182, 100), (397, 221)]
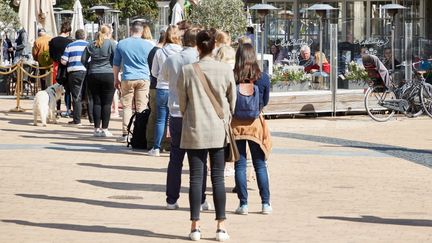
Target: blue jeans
[(260, 166), (161, 116), (175, 165)]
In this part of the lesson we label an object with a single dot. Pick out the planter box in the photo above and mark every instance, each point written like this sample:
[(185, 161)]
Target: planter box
[(356, 84), (351, 84), (286, 87)]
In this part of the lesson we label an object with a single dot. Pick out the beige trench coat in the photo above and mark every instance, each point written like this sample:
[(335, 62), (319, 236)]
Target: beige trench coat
[(202, 128)]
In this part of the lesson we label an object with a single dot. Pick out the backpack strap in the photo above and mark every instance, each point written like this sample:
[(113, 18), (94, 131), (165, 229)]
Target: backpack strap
[(204, 82), (130, 122)]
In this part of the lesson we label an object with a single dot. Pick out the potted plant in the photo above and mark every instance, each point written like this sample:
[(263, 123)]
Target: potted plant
[(356, 76), (289, 78)]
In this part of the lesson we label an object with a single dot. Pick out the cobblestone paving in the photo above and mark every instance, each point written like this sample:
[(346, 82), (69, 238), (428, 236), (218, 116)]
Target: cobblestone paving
[(344, 179)]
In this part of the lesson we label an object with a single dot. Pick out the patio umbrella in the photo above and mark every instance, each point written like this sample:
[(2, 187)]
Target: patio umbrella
[(77, 19), (46, 17), (40, 12), (27, 13)]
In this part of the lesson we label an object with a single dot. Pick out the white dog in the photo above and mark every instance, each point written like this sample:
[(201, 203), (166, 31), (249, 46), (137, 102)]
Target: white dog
[(44, 104)]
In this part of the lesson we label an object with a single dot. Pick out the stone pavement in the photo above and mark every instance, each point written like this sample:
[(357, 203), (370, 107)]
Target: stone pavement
[(344, 179)]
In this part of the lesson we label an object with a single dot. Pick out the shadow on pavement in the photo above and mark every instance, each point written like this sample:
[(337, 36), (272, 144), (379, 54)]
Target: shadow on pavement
[(418, 156), (128, 168), (17, 121), (130, 186), (48, 130), (108, 204), (95, 229), (378, 220)]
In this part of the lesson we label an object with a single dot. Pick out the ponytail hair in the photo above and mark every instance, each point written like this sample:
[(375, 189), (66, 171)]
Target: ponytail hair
[(104, 31)]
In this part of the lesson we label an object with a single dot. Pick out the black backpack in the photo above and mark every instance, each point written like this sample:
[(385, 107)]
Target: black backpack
[(137, 138)]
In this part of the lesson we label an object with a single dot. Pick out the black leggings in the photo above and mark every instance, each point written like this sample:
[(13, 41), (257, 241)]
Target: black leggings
[(197, 160), (102, 90)]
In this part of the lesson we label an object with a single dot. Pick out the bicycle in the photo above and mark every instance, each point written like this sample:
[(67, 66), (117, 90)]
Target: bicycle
[(411, 99)]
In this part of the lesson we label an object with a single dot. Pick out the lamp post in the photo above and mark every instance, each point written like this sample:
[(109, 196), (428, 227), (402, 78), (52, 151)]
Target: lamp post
[(262, 10), (100, 12), (392, 10), (287, 15), (115, 21), (57, 17), (320, 10)]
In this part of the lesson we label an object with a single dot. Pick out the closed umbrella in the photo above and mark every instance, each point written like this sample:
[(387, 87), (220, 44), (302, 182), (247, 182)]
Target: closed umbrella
[(77, 19), (28, 12), (47, 18)]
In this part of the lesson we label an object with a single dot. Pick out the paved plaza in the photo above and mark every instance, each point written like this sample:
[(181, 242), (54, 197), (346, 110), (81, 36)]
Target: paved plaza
[(344, 179)]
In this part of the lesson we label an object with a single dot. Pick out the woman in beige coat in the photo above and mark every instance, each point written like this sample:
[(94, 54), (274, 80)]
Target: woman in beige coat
[(203, 132)]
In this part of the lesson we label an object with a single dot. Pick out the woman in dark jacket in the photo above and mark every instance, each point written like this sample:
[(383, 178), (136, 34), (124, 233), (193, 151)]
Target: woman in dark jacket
[(101, 78)]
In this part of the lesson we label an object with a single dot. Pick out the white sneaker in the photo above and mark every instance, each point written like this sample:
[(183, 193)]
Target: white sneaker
[(222, 235), (206, 206), (266, 209), (195, 235), (154, 152), (97, 133), (173, 206), (122, 139), (242, 210), (106, 133)]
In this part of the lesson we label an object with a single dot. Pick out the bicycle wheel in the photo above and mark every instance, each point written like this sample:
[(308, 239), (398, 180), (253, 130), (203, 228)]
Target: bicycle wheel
[(415, 107), (374, 97), (426, 98)]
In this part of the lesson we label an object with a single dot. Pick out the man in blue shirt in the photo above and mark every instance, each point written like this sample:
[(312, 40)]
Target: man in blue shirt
[(131, 57), (76, 72)]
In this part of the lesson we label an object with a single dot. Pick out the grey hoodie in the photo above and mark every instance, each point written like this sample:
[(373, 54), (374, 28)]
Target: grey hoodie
[(158, 61)]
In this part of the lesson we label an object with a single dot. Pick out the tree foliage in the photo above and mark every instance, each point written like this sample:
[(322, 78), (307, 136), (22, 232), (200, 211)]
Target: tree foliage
[(9, 19), (129, 8), (227, 15)]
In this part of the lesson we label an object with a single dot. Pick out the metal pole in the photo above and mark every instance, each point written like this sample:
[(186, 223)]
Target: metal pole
[(128, 27), (93, 30), (392, 44), (408, 51), (262, 46), (333, 62), (320, 43), (116, 23)]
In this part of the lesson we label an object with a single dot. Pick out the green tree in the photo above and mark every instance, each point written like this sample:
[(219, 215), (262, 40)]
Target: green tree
[(227, 15), (9, 19)]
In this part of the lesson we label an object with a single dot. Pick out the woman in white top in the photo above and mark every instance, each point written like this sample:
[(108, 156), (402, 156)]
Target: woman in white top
[(172, 46)]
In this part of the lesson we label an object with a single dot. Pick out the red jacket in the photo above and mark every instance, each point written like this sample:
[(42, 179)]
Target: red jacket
[(325, 66)]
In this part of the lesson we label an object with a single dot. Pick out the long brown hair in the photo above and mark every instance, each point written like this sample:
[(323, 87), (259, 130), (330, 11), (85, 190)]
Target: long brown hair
[(246, 65)]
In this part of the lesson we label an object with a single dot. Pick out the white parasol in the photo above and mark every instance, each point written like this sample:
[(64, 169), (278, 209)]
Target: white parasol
[(77, 19), (40, 12), (27, 13), (47, 18)]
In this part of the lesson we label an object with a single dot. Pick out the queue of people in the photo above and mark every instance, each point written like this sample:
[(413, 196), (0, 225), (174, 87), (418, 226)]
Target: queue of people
[(169, 77)]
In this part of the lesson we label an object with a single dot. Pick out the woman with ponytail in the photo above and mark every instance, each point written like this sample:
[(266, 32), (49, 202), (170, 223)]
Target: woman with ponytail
[(98, 58)]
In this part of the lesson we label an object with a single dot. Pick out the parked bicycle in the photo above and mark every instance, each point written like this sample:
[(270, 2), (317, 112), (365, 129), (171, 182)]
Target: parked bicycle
[(383, 99)]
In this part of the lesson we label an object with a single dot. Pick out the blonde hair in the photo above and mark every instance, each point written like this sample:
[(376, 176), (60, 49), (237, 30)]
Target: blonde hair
[(226, 54), (222, 38), (105, 31), (244, 40), (147, 35), (172, 35), (317, 57)]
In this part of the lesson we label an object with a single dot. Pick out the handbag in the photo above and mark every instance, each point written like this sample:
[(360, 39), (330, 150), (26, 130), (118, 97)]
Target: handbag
[(231, 151)]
